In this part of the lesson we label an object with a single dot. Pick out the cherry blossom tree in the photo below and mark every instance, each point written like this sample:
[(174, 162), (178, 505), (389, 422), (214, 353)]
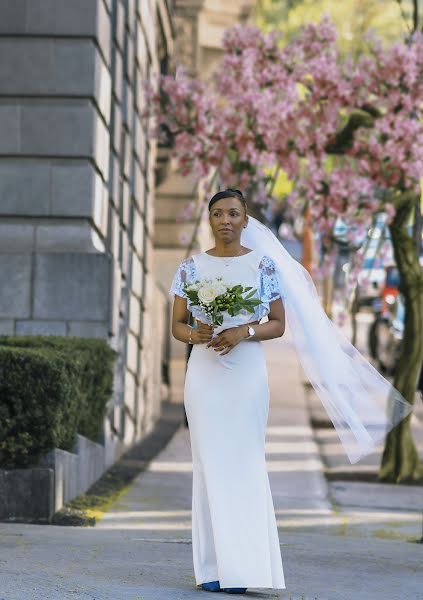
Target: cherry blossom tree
[(347, 132)]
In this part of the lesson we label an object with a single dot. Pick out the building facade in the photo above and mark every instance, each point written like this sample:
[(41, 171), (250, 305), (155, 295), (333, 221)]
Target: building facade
[(77, 179), (88, 235)]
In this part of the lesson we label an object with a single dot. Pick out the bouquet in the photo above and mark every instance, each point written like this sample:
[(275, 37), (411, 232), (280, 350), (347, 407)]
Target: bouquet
[(215, 296)]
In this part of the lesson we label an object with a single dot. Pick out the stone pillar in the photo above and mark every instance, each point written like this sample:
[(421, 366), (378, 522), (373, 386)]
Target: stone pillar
[(77, 186)]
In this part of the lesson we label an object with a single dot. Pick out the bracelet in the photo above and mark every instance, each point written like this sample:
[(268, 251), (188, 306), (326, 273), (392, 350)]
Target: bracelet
[(190, 332)]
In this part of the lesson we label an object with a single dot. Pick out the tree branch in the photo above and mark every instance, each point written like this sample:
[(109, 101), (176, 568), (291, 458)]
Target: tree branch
[(403, 203), (345, 137), (415, 15), (404, 18)]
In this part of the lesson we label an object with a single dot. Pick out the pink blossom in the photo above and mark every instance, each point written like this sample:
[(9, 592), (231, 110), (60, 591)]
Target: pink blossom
[(269, 106)]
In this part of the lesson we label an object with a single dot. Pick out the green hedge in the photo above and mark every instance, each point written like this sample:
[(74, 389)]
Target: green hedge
[(50, 389)]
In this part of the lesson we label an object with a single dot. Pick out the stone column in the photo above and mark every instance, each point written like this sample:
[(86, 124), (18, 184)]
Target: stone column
[(77, 186)]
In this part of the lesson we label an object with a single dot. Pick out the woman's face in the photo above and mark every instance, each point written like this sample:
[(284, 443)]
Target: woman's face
[(227, 219)]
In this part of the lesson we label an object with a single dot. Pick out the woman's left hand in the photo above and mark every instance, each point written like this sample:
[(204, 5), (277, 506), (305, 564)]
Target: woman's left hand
[(227, 339)]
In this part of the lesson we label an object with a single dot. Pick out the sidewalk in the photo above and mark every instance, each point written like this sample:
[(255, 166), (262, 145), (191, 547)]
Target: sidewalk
[(141, 550), (392, 511)]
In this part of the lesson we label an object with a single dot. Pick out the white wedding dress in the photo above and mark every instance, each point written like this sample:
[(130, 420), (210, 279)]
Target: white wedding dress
[(234, 532)]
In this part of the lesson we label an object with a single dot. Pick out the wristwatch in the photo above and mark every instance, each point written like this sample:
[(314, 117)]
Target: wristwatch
[(251, 331)]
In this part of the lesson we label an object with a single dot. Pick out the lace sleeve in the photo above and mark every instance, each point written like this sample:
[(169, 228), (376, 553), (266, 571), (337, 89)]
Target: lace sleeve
[(185, 273), (269, 280), (269, 285)]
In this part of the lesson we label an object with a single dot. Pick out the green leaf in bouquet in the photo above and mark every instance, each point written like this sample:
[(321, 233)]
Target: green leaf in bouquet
[(254, 301), (250, 294), (250, 309), (192, 295)]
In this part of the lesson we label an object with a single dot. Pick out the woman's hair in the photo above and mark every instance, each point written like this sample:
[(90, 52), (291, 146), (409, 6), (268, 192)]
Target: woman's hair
[(229, 193)]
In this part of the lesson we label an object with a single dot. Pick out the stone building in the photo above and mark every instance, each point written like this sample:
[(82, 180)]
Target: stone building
[(88, 238), (77, 186)]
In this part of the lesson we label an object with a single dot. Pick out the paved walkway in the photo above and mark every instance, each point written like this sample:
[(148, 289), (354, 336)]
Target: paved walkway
[(141, 550)]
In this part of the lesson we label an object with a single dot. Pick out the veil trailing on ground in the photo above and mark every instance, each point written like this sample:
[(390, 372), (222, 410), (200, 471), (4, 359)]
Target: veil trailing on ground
[(362, 405)]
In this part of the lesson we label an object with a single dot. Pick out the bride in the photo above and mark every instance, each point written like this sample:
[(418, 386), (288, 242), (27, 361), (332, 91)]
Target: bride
[(234, 534), (235, 540)]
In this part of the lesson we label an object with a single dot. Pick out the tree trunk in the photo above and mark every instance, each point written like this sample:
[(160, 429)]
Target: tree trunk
[(307, 241), (400, 460), (328, 294), (354, 311)]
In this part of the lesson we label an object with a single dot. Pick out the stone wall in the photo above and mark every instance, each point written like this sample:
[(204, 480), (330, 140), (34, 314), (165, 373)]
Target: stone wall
[(77, 187)]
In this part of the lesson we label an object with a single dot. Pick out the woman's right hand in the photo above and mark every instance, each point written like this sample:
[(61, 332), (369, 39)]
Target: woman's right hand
[(202, 333)]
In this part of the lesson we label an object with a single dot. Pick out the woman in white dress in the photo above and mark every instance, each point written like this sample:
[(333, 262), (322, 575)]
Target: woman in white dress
[(235, 540)]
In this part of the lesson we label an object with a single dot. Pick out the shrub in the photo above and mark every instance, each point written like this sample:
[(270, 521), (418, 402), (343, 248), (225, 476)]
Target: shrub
[(50, 389)]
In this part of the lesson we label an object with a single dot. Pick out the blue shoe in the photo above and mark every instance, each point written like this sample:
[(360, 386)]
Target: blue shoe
[(211, 586), (234, 590)]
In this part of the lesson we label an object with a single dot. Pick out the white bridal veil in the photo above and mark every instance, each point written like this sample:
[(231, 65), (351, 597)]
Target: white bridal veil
[(362, 405)]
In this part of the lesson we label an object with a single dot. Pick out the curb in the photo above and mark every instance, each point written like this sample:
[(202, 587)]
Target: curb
[(88, 508)]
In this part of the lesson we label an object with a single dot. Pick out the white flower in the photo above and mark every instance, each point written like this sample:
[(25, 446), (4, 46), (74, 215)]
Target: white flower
[(192, 287), (220, 288), (207, 293)]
